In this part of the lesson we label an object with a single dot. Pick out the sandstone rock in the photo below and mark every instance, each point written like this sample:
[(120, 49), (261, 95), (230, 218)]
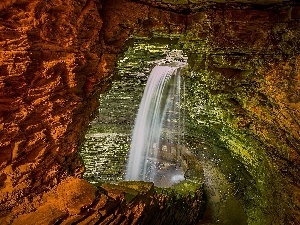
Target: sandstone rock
[(46, 214), (42, 60), (57, 56)]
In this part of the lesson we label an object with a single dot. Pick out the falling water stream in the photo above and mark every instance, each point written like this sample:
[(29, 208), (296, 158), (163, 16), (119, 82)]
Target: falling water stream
[(157, 130)]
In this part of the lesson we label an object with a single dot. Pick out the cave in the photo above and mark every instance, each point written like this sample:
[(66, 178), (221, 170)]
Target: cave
[(242, 108)]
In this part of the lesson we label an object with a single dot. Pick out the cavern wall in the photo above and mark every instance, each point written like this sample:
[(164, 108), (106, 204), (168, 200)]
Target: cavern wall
[(57, 56), (246, 97), (49, 64)]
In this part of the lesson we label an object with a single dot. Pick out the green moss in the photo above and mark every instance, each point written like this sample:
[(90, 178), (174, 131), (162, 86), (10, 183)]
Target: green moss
[(187, 187), (140, 186), (216, 106), (177, 2)]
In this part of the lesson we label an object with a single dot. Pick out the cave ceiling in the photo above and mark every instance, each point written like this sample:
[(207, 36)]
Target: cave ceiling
[(188, 6)]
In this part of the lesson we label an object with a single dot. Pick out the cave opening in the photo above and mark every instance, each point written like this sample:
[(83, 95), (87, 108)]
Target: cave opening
[(107, 142), (230, 189), (227, 106), (111, 130)]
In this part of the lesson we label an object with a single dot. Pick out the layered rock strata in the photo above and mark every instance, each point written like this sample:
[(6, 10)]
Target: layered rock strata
[(75, 201), (57, 56)]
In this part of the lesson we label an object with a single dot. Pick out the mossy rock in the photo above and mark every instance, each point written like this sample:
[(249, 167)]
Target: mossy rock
[(177, 2), (140, 186)]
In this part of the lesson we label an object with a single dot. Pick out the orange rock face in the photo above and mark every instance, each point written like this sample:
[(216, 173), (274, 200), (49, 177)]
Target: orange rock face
[(57, 56), (49, 52)]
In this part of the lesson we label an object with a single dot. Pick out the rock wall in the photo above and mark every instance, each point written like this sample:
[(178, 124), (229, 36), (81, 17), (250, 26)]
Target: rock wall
[(57, 56), (246, 97), (49, 62)]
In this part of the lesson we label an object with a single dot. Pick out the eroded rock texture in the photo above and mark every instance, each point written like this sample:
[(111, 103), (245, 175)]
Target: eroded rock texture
[(55, 60), (248, 79), (57, 56), (75, 201), (49, 64)]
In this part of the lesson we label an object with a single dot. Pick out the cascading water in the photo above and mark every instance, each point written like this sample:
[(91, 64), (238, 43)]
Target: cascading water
[(158, 122)]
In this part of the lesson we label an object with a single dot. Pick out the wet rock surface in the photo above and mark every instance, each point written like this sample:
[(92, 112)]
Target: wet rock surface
[(56, 57), (75, 201)]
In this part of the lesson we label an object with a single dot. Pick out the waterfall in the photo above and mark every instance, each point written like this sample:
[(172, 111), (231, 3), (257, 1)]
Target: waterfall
[(158, 120)]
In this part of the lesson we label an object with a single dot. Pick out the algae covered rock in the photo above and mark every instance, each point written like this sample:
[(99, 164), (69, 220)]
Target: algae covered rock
[(145, 204)]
